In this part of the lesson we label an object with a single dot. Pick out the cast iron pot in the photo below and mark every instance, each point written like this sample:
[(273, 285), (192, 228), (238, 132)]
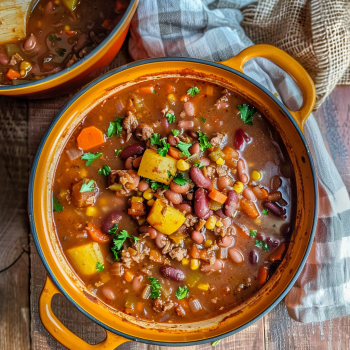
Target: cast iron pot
[(119, 326)]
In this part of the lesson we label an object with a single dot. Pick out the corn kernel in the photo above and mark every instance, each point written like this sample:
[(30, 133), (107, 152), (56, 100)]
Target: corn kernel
[(136, 199), (257, 221), (22, 72), (238, 186), (194, 264), (203, 286), (150, 202), (39, 24), (220, 161), (182, 165), (210, 224), (148, 194), (26, 65), (171, 98), (256, 175), (219, 224), (185, 261), (91, 211), (66, 27), (83, 172), (208, 243)]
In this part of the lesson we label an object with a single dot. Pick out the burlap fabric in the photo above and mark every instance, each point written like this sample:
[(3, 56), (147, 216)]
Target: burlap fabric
[(315, 32)]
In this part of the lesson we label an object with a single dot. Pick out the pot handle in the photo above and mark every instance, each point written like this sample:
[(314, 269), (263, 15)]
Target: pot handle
[(63, 334), (288, 64)]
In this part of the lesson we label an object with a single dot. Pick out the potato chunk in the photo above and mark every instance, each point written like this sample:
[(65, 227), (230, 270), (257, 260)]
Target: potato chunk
[(165, 218), (155, 167), (85, 257), (83, 199)]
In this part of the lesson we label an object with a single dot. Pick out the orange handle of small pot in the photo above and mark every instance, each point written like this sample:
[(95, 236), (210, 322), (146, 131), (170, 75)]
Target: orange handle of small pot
[(63, 334), (288, 64)]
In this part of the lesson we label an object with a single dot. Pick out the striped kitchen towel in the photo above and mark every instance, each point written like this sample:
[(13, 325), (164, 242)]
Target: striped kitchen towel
[(211, 30)]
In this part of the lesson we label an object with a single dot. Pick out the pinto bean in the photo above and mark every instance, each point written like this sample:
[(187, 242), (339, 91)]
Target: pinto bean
[(189, 109), (165, 123), (236, 255), (143, 186), (226, 222), (275, 209), (172, 273), (241, 170), (249, 194), (108, 293), (195, 148), (180, 189), (253, 257), (222, 182), (136, 163), (148, 229), (137, 283), (160, 240), (199, 178), (30, 43), (192, 134), (205, 161), (173, 141), (184, 208), (231, 203), (112, 219), (225, 241), (173, 197), (128, 163), (217, 266), (201, 203), (220, 214), (3, 59), (185, 124), (197, 237), (131, 151)]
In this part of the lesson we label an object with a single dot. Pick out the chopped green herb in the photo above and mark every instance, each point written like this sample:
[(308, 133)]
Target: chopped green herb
[(265, 247), (113, 230), (136, 238), (163, 150), (57, 207), (203, 120), (183, 146), (170, 117), (246, 114), (87, 187), (216, 342), (265, 211), (193, 91), (115, 127), (117, 151), (117, 243), (90, 157), (169, 174), (99, 267), (155, 185), (274, 225), (180, 179), (155, 287), (175, 132), (154, 92), (61, 51), (258, 243), (198, 165), (182, 292), (155, 139), (203, 141), (253, 233), (54, 37), (105, 170)]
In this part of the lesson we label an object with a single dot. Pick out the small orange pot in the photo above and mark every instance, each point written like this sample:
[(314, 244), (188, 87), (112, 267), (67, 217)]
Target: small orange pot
[(81, 73), (119, 326)]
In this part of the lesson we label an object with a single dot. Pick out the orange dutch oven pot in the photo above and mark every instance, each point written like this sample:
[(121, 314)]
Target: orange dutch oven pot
[(87, 69), (121, 327)]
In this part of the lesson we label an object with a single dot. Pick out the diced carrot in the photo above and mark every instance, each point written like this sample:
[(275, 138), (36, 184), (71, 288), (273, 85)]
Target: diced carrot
[(230, 153), (183, 303), (203, 254), (175, 153), (139, 306), (184, 98), (260, 193), (194, 252), (169, 89), (217, 196), (137, 206), (278, 253), (13, 74), (96, 234), (90, 137), (156, 256), (71, 32), (120, 5), (108, 24), (262, 275), (129, 276), (210, 149), (249, 208), (146, 89)]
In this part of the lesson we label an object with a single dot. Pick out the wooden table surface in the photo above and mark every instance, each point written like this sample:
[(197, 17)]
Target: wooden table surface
[(22, 123)]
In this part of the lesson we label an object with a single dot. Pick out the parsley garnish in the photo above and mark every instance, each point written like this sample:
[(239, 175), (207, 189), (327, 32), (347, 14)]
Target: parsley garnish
[(113, 230), (253, 233), (117, 243), (154, 92), (54, 37), (203, 141), (183, 146), (198, 164), (203, 120), (136, 238), (265, 247), (115, 127), (258, 243), (117, 151), (90, 157), (216, 342), (265, 211), (193, 91), (155, 185), (155, 139), (57, 207), (175, 132), (163, 150), (181, 292), (180, 179), (87, 187), (170, 117), (105, 170), (246, 114), (169, 174), (155, 287), (99, 267), (60, 51)]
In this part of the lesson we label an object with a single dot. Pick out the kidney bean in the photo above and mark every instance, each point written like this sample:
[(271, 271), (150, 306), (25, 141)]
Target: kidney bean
[(148, 229), (143, 186), (272, 242), (222, 182), (131, 150), (128, 163), (205, 161), (253, 257), (236, 255), (160, 240), (180, 189), (197, 237), (136, 163), (199, 178), (173, 197), (220, 214), (276, 183), (112, 219), (4, 59), (248, 194), (172, 140), (218, 265), (172, 273), (226, 241), (195, 148), (241, 170), (30, 43), (185, 124), (275, 209), (184, 208), (165, 123), (201, 203), (81, 42), (227, 222), (260, 236), (108, 293), (286, 230), (206, 217), (192, 134), (137, 283), (238, 139), (189, 109), (231, 203)]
